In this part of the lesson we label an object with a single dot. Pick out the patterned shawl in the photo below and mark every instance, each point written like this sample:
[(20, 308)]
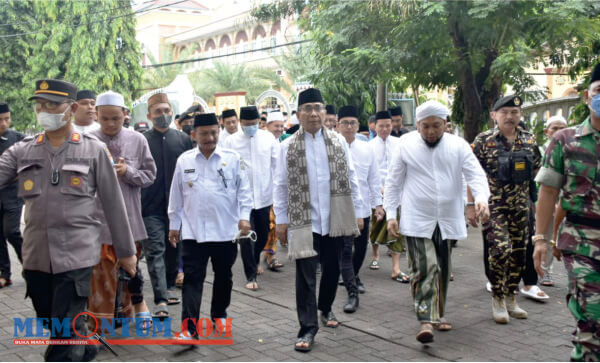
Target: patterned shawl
[(342, 217)]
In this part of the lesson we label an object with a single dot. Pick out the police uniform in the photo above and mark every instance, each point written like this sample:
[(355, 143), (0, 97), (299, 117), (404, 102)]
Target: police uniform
[(10, 208), (61, 244), (510, 169), (208, 198)]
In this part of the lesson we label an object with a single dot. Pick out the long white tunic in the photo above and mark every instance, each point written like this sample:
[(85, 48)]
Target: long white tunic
[(259, 157), (428, 184), (369, 179), (317, 166), (383, 150)]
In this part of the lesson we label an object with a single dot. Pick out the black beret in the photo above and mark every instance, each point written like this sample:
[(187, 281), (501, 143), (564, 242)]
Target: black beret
[(228, 113), (508, 101), (348, 111), (205, 119), (84, 94), (54, 90), (249, 113), (330, 109), (595, 74), (382, 115), (310, 95), (4, 108), (396, 111)]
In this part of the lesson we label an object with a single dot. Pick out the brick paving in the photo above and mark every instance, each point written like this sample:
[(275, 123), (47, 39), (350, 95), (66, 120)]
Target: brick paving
[(383, 328)]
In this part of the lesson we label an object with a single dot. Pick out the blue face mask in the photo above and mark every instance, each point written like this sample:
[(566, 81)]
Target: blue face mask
[(250, 131), (596, 105)]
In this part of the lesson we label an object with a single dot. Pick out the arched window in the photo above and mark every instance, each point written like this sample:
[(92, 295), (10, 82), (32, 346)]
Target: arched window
[(241, 37), (225, 41)]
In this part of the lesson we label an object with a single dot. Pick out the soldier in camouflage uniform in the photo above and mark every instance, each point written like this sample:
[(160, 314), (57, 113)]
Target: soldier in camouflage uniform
[(571, 166), (510, 158)]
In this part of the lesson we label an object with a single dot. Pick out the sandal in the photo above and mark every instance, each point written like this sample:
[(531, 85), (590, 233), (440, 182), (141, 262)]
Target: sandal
[(402, 278), (443, 325), (547, 280), (161, 312), (425, 334), (4, 282), (274, 265), (534, 293), (374, 265), (329, 320), (252, 285), (179, 280), (307, 339), (172, 298), (145, 319)]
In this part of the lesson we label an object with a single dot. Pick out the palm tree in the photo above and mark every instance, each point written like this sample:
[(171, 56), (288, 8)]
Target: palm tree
[(162, 76), (226, 77)]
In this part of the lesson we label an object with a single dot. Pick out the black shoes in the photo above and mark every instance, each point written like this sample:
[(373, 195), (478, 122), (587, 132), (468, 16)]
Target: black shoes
[(360, 286), (352, 304)]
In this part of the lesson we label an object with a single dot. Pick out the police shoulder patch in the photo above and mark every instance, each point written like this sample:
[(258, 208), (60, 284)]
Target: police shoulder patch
[(39, 139)]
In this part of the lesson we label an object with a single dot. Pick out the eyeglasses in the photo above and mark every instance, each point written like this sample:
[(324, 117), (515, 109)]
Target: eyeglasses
[(48, 105), (311, 108), (348, 123)]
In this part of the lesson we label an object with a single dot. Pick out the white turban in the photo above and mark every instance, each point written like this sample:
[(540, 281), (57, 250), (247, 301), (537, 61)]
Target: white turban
[(555, 118), (432, 108), (110, 98), (275, 116)]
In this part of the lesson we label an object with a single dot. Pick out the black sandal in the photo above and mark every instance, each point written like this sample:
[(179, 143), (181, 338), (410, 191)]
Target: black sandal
[(308, 339), (172, 298), (161, 312), (326, 318), (274, 265)]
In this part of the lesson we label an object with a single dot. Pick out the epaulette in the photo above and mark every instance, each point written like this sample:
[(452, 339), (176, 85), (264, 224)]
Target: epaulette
[(90, 136), (28, 138)]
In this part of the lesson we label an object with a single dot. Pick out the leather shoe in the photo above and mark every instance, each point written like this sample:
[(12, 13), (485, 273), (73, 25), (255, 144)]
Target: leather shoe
[(352, 304), (360, 286)]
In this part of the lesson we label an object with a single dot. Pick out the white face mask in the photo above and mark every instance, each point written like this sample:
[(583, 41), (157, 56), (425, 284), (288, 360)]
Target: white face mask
[(51, 121)]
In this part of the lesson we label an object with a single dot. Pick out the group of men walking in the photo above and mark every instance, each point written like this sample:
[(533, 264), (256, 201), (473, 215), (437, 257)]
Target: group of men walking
[(97, 194)]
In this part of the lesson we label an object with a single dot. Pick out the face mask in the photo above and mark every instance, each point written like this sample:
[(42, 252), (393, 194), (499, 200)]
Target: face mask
[(435, 143), (187, 129), (163, 121), (51, 121), (250, 130), (596, 105)]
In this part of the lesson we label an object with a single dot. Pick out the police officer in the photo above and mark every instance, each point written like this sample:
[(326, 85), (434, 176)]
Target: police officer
[(510, 158), (59, 172), (10, 204)]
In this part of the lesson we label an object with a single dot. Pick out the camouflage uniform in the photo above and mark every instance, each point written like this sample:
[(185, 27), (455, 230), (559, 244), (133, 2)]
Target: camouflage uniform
[(508, 227), (571, 165)]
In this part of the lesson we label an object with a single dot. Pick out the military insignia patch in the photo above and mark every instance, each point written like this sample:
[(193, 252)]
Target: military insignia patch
[(28, 185), (517, 101), (75, 181), (491, 143), (40, 139), (76, 137), (520, 165), (44, 85)]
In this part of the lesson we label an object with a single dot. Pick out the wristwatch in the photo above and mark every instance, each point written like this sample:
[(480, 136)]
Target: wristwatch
[(470, 204)]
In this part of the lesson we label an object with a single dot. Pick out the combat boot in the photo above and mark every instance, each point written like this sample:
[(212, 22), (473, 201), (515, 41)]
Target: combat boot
[(513, 308), (499, 310)]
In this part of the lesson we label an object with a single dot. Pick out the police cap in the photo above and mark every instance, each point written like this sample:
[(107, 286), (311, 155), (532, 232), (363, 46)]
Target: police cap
[(54, 90)]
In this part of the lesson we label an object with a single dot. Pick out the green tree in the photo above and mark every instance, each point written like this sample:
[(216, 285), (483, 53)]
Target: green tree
[(158, 77), (90, 43), (475, 46), (226, 77)]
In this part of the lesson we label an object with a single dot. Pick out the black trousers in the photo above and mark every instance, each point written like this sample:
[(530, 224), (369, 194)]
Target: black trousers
[(62, 295), (195, 260), (529, 275), (360, 247), (330, 250), (351, 262), (250, 251), (10, 229)]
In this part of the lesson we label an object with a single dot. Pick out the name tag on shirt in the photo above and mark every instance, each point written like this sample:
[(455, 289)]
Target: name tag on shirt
[(188, 171)]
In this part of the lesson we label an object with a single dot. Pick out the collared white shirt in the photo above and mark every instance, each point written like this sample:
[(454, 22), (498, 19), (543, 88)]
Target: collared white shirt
[(428, 184), (317, 166), (209, 197), (259, 156), (86, 129), (369, 180), (383, 152)]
